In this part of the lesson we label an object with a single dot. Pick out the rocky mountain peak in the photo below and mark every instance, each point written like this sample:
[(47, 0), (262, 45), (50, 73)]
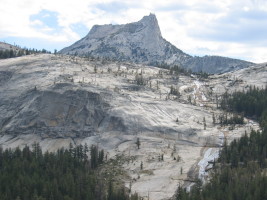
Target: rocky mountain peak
[(142, 42), (150, 21), (139, 42)]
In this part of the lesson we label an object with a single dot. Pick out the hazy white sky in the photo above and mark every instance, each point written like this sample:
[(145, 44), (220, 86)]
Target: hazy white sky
[(233, 28)]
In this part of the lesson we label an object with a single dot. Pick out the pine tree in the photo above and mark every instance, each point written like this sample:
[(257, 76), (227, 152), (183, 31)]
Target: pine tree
[(204, 123), (94, 156), (101, 156), (213, 118), (138, 143), (110, 191)]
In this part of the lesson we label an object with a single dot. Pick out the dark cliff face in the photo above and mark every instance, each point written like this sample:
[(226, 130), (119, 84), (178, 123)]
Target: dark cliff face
[(142, 42)]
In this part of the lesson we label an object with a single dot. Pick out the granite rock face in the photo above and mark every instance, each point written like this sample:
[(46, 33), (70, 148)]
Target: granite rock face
[(139, 42), (37, 99), (72, 113), (142, 42), (52, 114)]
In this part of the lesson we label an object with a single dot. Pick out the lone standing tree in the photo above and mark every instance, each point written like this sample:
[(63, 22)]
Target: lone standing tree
[(204, 122), (138, 143)]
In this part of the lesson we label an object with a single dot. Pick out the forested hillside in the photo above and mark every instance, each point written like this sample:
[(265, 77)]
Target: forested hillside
[(67, 174), (10, 53), (253, 103), (241, 170)]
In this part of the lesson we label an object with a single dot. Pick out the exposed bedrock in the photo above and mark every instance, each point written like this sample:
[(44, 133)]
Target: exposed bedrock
[(49, 113)]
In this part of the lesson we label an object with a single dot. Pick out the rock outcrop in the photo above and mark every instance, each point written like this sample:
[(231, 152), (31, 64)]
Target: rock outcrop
[(142, 42), (35, 100), (49, 113)]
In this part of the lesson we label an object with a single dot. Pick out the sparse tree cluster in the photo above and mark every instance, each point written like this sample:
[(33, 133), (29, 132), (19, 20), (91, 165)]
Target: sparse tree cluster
[(140, 80), (175, 69), (174, 91), (228, 119)]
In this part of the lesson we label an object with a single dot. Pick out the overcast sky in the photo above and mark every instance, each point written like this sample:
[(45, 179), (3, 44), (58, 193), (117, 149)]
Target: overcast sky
[(232, 28)]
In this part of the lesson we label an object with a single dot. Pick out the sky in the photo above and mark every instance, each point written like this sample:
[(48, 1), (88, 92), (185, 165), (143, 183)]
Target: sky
[(231, 28)]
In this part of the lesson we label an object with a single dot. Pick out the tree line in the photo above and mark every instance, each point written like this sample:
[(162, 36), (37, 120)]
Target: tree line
[(4, 54), (68, 174), (252, 103)]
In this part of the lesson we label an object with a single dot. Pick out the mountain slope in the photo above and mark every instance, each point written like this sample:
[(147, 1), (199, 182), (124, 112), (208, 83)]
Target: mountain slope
[(57, 99), (215, 64), (142, 42)]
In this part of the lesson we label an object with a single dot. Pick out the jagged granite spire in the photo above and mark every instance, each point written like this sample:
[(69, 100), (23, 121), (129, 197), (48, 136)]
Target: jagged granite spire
[(139, 42), (142, 42)]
